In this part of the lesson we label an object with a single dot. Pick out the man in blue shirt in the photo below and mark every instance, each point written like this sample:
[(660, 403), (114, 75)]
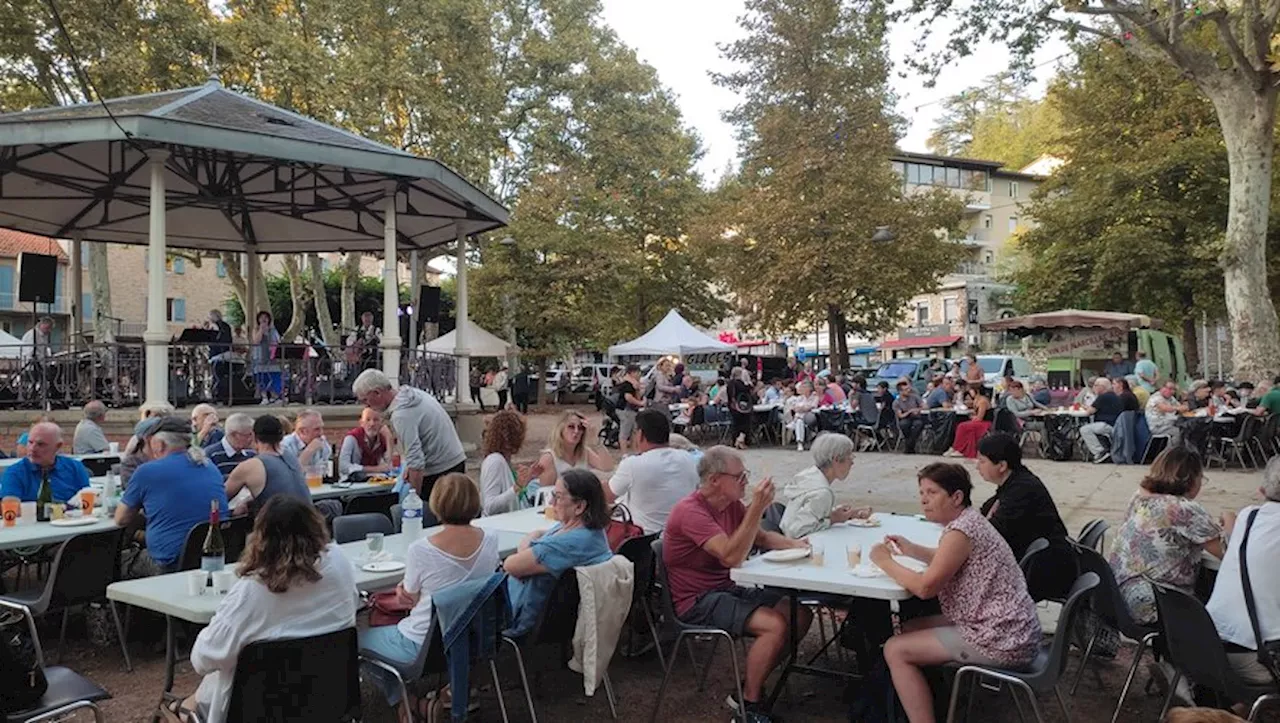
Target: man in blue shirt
[(66, 475), (173, 491), (941, 396)]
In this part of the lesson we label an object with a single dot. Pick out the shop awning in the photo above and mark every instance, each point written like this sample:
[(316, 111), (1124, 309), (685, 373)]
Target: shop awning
[(921, 342)]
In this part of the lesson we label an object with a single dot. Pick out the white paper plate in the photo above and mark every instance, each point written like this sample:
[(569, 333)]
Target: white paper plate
[(789, 555), (383, 566), (872, 521), (73, 521), (870, 569)]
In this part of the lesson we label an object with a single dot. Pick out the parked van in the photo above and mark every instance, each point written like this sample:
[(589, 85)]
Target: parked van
[(916, 370), (996, 367)]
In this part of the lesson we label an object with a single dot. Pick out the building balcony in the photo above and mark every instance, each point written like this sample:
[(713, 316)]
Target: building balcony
[(972, 268)]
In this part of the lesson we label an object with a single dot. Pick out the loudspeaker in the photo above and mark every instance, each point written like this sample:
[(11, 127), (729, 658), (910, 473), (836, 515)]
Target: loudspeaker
[(37, 277), (429, 304)]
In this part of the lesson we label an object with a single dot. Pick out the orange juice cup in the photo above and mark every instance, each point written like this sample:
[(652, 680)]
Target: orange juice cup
[(549, 512), (12, 509), (87, 499)]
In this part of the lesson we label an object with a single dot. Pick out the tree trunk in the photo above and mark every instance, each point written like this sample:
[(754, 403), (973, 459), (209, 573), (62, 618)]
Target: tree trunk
[(323, 319), (350, 279), (833, 347), (1247, 118), (1191, 345), (842, 339), (298, 297), (100, 290)]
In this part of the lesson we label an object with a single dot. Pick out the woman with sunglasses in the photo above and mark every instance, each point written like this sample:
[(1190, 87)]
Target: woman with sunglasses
[(568, 449), (577, 539)]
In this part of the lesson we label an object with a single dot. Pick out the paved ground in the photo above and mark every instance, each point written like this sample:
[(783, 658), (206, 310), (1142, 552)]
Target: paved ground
[(885, 481)]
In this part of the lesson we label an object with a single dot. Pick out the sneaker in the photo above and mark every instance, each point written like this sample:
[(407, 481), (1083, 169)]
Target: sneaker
[(800, 446), (951, 453), (757, 717), (1102, 458)]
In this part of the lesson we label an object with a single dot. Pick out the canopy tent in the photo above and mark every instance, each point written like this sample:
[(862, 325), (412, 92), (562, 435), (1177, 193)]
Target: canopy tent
[(672, 335), (10, 345), (1072, 318), (210, 169), (481, 343)]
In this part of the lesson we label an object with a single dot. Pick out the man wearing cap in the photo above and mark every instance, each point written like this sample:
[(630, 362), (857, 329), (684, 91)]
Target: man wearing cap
[(66, 475), (140, 454), (174, 490)]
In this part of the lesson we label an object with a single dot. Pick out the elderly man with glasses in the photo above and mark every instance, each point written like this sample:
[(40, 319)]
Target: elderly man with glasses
[(708, 533), (235, 446)]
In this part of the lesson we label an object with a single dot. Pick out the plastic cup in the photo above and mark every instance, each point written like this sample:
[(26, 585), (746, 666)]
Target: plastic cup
[(223, 580), (549, 512), (57, 510), (817, 556), (315, 475), (854, 553), (28, 516), (12, 509), (197, 580), (114, 447), (87, 499), (374, 541)]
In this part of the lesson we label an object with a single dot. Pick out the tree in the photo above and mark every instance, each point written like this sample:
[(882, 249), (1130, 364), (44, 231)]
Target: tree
[(1225, 52), (954, 130), (793, 228)]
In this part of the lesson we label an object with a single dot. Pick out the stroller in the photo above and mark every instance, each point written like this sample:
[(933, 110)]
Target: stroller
[(612, 425)]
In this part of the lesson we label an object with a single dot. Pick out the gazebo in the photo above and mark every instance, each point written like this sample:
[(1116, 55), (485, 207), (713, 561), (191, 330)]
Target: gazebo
[(210, 169)]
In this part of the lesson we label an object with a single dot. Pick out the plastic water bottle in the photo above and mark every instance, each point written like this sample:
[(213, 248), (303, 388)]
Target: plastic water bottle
[(411, 515)]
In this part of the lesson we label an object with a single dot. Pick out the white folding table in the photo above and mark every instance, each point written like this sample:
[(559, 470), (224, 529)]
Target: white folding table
[(834, 576), (35, 534)]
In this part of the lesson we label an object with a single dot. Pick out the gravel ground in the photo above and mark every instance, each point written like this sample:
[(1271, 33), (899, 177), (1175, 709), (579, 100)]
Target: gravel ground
[(884, 480)]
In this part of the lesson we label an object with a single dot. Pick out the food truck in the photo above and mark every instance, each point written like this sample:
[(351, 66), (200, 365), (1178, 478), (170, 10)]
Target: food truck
[(1076, 344)]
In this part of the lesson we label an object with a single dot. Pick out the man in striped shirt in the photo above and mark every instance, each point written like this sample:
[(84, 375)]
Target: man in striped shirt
[(236, 445)]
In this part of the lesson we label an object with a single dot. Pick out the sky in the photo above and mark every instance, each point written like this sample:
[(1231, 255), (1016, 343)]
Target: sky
[(679, 38)]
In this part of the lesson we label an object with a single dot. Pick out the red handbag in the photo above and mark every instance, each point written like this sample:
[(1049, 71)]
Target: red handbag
[(621, 528), (386, 608)]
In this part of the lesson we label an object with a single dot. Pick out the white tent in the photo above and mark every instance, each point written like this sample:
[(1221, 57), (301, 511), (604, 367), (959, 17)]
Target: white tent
[(481, 342), (10, 346), (672, 335)]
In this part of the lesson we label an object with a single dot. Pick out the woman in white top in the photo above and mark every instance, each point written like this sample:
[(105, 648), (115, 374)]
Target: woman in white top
[(293, 583), (798, 412), (504, 487), (569, 450), (457, 553)]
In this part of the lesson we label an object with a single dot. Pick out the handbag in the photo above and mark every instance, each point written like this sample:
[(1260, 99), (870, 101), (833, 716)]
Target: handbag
[(1268, 650), (386, 608), (621, 528), (22, 681)]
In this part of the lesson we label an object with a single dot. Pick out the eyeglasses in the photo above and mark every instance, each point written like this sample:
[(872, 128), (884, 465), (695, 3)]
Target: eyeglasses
[(741, 478), (575, 427)]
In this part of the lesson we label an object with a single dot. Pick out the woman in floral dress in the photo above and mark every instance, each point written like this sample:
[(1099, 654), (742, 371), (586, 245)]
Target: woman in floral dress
[(1164, 532)]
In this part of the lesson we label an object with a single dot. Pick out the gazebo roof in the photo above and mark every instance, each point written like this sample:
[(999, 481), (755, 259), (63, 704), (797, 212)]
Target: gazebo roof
[(241, 174)]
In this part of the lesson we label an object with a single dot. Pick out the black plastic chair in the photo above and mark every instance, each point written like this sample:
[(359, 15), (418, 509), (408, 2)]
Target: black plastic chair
[(639, 550), (1265, 440), (555, 626), (68, 691), (83, 567), (1047, 668), (1196, 651), (235, 533), (353, 528), (295, 679), (1242, 443), (380, 503), (684, 631), (1109, 605), (1093, 534), (1036, 547), (432, 660)]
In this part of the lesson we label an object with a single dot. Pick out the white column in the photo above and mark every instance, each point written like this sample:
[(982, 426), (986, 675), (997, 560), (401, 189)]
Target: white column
[(77, 288), (460, 346), (249, 269), (157, 335), (415, 313), (390, 292)]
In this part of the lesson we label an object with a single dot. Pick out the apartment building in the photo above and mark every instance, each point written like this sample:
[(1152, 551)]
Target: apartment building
[(16, 317), (946, 320)]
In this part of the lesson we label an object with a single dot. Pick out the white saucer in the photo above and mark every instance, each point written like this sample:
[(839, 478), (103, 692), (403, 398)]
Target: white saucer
[(73, 521), (872, 521), (383, 566), (788, 555)]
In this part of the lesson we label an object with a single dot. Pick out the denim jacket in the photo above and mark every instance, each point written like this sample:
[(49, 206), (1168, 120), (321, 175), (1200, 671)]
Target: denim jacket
[(470, 613)]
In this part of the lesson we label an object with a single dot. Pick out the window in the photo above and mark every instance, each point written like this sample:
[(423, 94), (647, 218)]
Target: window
[(988, 257), (1013, 189), (913, 174), (179, 266), (7, 298), (899, 168), (953, 177), (949, 314), (1013, 224), (939, 176), (221, 269), (987, 220), (922, 313), (176, 309), (86, 306)]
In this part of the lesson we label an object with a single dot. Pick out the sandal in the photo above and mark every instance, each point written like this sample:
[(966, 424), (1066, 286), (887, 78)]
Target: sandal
[(171, 710)]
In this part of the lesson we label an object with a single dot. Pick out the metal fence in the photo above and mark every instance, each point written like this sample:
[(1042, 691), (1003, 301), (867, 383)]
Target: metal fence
[(68, 376)]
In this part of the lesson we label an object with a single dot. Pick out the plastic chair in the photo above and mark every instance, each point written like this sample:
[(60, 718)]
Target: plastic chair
[(1196, 651), (1093, 534), (555, 626), (432, 660), (1265, 440), (83, 567), (639, 550), (380, 503), (235, 532), (1047, 668), (1110, 606), (68, 691), (1241, 444), (1036, 547), (315, 678), (685, 630), (352, 528)]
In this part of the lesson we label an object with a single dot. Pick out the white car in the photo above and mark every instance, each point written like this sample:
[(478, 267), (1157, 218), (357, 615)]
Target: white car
[(996, 366)]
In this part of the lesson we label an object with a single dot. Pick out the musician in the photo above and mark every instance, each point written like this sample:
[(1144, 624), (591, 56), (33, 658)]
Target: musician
[(362, 345), (219, 353), (37, 354)]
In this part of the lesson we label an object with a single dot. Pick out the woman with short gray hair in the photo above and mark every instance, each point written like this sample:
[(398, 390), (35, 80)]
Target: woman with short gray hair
[(811, 505)]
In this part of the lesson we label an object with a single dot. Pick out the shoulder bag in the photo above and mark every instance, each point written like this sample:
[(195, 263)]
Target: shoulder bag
[(621, 528), (1268, 650)]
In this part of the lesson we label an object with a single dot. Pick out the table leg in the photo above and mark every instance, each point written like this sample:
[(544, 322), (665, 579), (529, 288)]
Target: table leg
[(170, 662)]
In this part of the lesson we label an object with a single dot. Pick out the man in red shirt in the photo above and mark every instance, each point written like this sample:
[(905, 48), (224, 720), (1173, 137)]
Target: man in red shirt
[(708, 533)]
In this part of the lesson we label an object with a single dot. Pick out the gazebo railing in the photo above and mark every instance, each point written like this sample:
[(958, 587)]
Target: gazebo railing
[(115, 374)]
